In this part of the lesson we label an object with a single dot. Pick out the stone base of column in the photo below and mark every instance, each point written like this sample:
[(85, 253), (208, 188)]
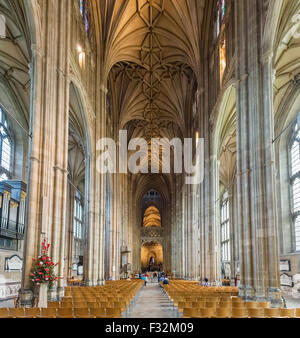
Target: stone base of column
[(88, 283), (52, 294), (261, 295), (247, 293), (26, 298), (60, 292), (274, 296), (241, 291)]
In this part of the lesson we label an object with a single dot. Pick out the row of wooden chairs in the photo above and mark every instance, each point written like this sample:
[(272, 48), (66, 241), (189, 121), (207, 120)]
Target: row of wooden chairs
[(60, 313), (224, 305), (179, 298), (194, 302), (84, 302), (240, 313), (77, 305)]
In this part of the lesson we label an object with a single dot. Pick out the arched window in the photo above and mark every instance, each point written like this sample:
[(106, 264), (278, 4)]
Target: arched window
[(5, 148), (294, 154), (221, 10), (225, 229), (78, 216), (83, 5)]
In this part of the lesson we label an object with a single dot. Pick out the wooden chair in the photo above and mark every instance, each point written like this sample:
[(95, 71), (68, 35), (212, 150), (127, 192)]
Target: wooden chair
[(17, 312), (80, 305), (223, 312), (239, 313), (251, 305), (97, 313), (108, 305), (82, 313), (78, 299), (271, 313), (102, 304), (287, 313), (48, 312), (238, 305), (190, 313), (207, 312), (183, 305), (53, 304), (264, 305), (64, 312), (214, 299), (120, 305), (93, 305), (4, 313), (34, 312), (237, 300), (256, 313), (226, 305), (66, 304), (211, 305), (113, 313)]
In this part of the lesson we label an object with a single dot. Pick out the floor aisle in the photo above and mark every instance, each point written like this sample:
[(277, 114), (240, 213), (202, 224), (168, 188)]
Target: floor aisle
[(151, 302)]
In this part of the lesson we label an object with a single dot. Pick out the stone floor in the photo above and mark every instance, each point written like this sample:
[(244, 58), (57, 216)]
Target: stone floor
[(292, 302), (151, 302), (7, 303)]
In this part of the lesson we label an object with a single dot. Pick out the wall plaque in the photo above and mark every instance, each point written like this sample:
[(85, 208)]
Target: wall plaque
[(285, 265), (13, 263), (80, 270), (286, 280)]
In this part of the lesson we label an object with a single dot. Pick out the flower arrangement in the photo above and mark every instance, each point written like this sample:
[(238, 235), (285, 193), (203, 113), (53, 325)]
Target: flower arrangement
[(43, 268)]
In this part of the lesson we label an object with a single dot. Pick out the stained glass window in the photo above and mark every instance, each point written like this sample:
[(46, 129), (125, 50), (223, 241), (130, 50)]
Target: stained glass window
[(225, 229), (221, 10), (78, 216), (222, 59), (5, 148), (294, 154), (83, 5)]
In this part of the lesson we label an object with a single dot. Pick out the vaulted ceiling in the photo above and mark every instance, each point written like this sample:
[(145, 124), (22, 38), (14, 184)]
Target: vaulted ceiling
[(14, 60), (152, 52), (152, 60)]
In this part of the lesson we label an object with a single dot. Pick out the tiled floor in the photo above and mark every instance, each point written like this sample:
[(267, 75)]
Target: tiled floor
[(151, 302)]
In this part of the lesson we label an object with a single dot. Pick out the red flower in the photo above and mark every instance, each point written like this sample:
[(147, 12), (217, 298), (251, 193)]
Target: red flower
[(44, 258), (47, 270)]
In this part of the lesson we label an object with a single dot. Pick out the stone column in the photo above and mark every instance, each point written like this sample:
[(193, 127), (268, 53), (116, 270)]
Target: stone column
[(272, 243), (47, 183), (257, 217)]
